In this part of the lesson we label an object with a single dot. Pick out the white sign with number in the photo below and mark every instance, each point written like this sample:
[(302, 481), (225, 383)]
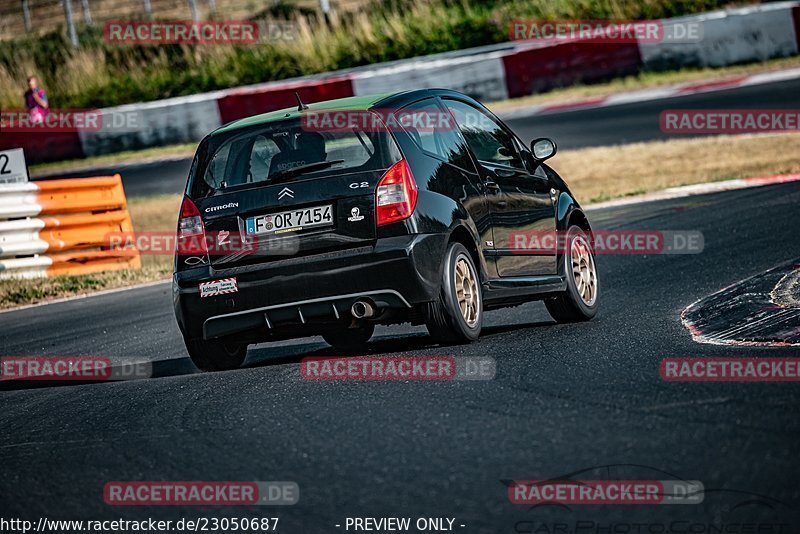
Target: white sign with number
[(13, 168)]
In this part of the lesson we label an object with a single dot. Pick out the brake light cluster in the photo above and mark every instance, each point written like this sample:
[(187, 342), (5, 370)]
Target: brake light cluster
[(191, 231), (396, 195)]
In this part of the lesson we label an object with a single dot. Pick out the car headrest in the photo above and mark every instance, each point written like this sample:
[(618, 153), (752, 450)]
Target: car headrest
[(285, 160), (313, 144)]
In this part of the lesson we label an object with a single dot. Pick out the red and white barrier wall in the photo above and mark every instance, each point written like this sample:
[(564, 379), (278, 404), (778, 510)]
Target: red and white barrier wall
[(149, 124), (488, 73), (733, 36), (479, 74)]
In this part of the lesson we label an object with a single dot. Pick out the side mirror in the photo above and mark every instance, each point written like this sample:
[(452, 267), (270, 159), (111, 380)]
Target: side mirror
[(543, 149)]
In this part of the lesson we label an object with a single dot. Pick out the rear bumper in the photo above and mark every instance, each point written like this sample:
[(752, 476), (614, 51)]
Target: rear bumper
[(308, 292)]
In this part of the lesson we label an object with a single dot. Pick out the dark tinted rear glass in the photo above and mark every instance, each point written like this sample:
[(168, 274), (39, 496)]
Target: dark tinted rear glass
[(281, 152)]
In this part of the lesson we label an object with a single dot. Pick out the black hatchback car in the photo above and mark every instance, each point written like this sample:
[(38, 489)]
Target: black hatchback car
[(331, 218)]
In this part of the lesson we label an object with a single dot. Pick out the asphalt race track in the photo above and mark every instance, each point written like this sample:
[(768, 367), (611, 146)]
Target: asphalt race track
[(638, 122), (566, 399), (628, 123)]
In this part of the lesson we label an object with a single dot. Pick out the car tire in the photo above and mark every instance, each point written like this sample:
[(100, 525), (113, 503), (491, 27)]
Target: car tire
[(216, 354), (579, 302), (456, 316), (349, 339)]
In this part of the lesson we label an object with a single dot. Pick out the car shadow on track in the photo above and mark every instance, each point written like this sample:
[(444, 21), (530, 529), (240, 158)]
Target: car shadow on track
[(266, 355), (386, 345)]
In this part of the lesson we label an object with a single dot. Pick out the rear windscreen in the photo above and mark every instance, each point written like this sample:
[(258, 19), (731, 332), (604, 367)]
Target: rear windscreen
[(285, 152)]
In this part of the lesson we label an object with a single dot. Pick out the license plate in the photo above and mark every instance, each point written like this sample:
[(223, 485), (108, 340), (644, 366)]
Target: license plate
[(290, 221)]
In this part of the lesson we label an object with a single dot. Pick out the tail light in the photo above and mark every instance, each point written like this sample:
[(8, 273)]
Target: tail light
[(396, 195), (191, 231)]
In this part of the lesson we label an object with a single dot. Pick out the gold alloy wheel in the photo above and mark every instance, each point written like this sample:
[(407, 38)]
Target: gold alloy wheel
[(467, 291), (583, 270)]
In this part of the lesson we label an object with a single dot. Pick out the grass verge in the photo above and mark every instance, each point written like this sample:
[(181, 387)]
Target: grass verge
[(602, 173), (594, 174)]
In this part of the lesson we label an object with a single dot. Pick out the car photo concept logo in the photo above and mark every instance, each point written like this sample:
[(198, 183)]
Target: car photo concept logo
[(285, 192)]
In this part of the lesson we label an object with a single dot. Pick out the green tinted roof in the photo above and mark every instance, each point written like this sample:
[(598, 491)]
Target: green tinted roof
[(352, 102)]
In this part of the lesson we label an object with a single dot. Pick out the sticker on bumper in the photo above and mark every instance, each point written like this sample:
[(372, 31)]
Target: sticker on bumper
[(218, 287)]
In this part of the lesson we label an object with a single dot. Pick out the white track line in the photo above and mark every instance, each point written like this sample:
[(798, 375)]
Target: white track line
[(697, 189)]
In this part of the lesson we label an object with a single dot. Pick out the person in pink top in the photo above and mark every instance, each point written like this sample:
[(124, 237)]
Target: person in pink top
[(36, 101)]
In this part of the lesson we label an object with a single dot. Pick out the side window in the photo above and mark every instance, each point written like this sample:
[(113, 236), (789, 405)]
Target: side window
[(355, 147), (434, 131), (487, 139), (215, 171)]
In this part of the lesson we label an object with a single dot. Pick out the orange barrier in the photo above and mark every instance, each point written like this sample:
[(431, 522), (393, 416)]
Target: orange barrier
[(93, 262), (75, 195), (72, 238), (83, 231)]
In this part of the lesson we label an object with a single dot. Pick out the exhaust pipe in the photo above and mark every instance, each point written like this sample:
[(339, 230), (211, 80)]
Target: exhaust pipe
[(361, 309)]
